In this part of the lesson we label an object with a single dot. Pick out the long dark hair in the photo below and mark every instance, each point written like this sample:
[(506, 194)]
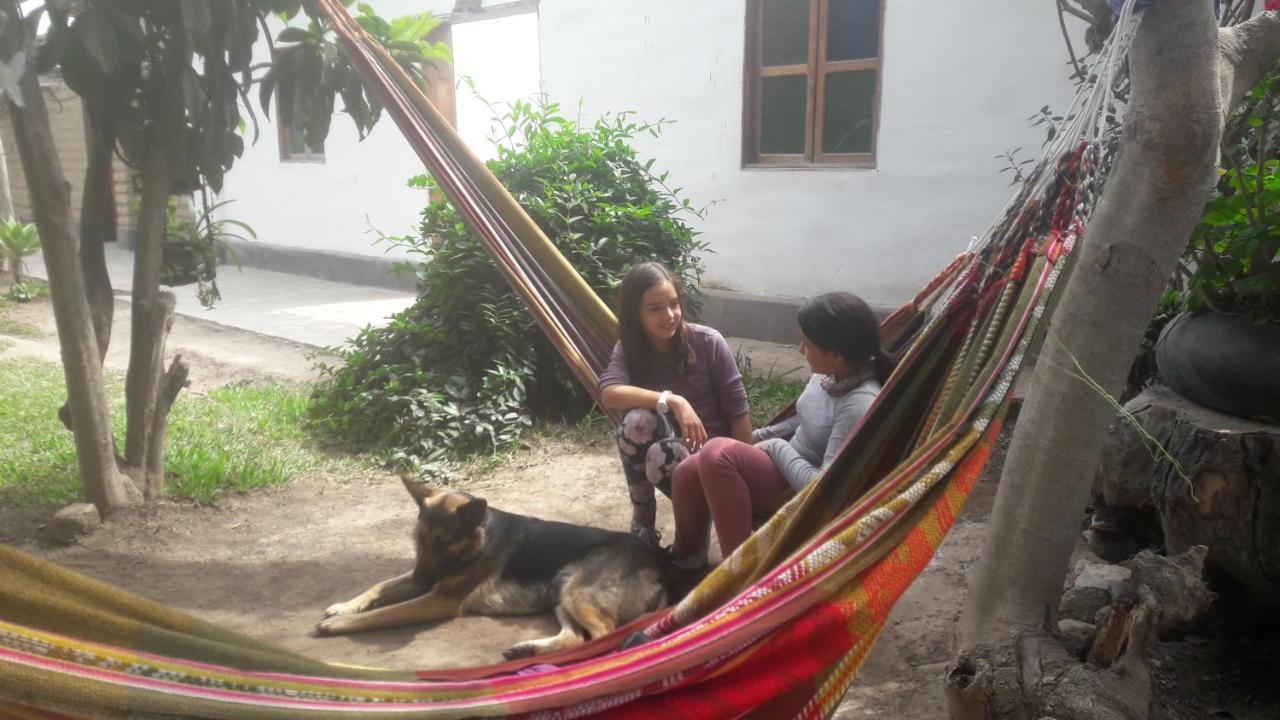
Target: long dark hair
[(642, 357), (841, 322)]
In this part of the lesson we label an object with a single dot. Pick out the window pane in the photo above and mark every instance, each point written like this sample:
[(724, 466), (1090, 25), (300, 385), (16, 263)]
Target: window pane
[(782, 113), (853, 29), (786, 32), (850, 112), (297, 144)]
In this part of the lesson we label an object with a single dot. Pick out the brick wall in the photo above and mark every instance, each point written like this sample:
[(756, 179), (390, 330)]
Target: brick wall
[(66, 120)]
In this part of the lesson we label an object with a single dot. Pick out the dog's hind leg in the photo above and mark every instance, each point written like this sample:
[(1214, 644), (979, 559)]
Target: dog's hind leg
[(387, 592), (432, 606), (582, 605), (567, 637)]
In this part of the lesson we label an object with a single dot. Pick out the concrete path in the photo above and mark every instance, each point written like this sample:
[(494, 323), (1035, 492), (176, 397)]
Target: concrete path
[(325, 314), (298, 308)]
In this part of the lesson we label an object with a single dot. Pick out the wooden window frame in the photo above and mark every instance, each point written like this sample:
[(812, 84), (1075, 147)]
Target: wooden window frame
[(816, 70), (284, 137)]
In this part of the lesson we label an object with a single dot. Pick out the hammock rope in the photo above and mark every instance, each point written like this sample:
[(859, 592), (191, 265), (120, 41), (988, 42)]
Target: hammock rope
[(779, 629)]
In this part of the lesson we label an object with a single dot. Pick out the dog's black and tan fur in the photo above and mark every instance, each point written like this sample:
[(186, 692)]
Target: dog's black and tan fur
[(475, 560)]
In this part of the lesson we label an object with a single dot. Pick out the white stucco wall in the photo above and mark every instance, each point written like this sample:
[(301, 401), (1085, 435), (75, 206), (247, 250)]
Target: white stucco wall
[(959, 81), (328, 206)]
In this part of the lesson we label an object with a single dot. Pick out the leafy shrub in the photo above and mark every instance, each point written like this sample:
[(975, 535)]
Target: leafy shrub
[(465, 368), (17, 241), (1234, 256), (192, 248)]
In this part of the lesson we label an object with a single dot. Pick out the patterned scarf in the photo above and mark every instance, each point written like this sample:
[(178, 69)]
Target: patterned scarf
[(840, 388)]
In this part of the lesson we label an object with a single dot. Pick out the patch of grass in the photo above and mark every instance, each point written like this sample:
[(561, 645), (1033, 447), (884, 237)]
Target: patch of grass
[(233, 439), (27, 290), (17, 328), (767, 392)]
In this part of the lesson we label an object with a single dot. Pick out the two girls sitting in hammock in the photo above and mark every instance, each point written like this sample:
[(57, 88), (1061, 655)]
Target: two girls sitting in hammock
[(686, 430)]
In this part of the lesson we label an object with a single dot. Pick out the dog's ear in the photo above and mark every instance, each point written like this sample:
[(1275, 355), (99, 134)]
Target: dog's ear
[(471, 513), (419, 491)]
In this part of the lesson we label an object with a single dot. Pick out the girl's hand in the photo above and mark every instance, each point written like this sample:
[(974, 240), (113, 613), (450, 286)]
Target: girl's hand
[(694, 433)]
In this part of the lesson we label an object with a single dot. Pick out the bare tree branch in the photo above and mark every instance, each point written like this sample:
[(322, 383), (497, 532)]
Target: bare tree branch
[(1077, 73), (1248, 51)]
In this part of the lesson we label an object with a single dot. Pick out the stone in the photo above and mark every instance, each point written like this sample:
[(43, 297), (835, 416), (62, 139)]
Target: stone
[(1112, 578), (1076, 636), (74, 521), (1226, 496), (1083, 603)]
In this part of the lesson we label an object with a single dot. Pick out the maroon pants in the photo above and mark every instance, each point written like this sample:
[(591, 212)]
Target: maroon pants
[(720, 484)]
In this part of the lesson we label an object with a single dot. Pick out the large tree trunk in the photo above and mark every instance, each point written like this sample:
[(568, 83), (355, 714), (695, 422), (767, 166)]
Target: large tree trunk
[(149, 389), (6, 192), (105, 486), (98, 227), (1153, 200)]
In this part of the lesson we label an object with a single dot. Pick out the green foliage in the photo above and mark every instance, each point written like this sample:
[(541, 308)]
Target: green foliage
[(768, 392), (27, 290), (193, 247), (17, 241), (232, 439), (309, 72), (1234, 254), (119, 56), (466, 367)]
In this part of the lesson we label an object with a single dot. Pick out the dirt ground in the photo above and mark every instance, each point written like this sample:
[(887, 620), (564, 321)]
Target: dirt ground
[(267, 563)]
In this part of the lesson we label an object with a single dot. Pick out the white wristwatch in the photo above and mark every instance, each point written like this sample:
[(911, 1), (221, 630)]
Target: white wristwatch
[(662, 401)]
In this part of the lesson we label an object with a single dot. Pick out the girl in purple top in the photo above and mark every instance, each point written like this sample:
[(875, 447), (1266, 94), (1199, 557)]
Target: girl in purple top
[(678, 383)]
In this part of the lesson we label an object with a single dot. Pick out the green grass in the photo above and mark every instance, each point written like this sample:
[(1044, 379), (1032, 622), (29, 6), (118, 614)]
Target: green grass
[(233, 439), (767, 392), (17, 328)]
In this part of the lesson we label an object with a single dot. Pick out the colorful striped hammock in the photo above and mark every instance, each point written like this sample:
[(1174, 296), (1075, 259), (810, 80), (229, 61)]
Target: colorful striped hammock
[(778, 630)]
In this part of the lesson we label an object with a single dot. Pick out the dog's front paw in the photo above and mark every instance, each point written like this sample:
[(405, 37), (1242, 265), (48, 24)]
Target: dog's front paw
[(334, 625), (523, 650), (350, 607)]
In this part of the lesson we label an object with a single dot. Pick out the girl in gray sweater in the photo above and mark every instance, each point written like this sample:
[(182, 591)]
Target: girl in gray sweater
[(840, 339)]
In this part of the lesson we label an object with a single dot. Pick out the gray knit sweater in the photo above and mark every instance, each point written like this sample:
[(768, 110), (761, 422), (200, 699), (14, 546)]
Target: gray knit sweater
[(817, 430)]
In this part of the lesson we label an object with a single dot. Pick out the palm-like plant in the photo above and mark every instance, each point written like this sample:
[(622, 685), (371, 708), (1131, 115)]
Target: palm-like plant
[(17, 241), (192, 249)]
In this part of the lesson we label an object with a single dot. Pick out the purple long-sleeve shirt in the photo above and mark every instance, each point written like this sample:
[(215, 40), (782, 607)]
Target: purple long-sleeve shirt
[(712, 385)]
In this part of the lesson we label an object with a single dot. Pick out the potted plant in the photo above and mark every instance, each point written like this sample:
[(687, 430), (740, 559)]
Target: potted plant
[(17, 241), (192, 249), (1223, 352)]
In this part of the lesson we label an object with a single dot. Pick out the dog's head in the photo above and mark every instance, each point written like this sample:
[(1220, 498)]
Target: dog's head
[(449, 533)]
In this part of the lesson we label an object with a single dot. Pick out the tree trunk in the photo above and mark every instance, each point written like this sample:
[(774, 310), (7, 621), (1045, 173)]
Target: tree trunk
[(1152, 202), (149, 390), (6, 191), (105, 486), (98, 227)]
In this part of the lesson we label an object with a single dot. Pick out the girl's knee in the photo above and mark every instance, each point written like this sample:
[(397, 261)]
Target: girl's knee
[(718, 450), (662, 458), (639, 427)]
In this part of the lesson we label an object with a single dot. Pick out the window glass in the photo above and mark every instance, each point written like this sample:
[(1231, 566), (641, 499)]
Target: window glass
[(850, 109), (853, 29), (786, 32), (782, 110)]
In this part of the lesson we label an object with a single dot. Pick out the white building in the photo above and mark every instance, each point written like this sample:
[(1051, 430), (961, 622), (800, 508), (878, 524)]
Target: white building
[(873, 192)]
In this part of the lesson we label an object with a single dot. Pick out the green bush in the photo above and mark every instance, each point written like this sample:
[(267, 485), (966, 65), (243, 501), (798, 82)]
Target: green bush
[(1234, 255), (466, 368)]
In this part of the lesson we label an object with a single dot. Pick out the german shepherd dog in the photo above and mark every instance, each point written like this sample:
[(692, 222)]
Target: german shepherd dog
[(475, 560)]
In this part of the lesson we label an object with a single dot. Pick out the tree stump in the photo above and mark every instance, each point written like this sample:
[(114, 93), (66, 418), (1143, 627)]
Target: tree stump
[(1228, 500)]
